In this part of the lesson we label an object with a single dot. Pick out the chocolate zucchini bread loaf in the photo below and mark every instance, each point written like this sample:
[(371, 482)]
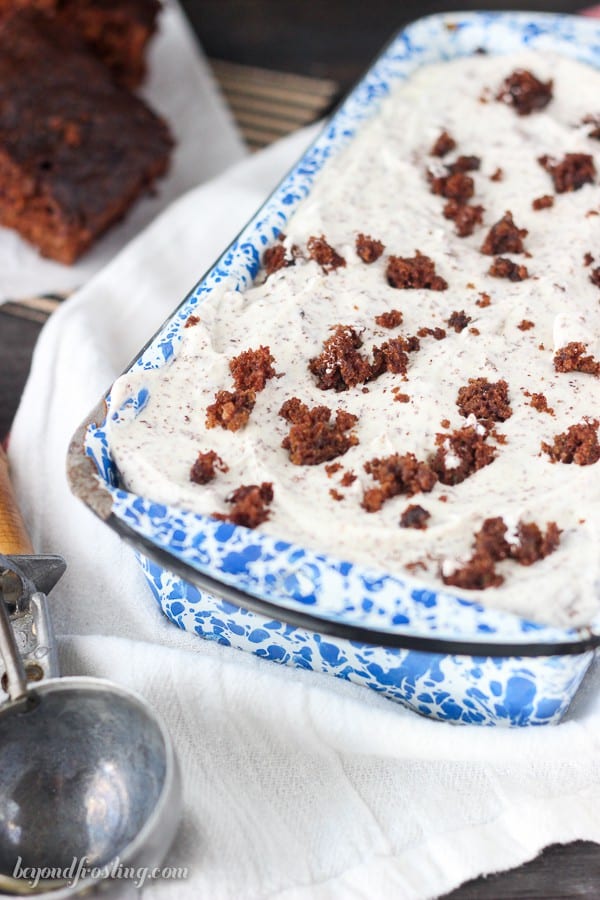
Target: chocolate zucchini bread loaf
[(76, 150), (117, 31)]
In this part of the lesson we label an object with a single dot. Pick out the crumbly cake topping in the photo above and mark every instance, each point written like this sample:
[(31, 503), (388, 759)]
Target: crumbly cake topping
[(230, 410), (249, 505), (315, 437), (504, 237), (444, 144), (206, 466), (414, 272), (578, 444), (495, 350), (573, 357), (570, 173), (502, 267), (525, 93), (390, 319), (252, 369), (324, 254), (368, 248), (491, 546), (486, 400), (414, 516), (396, 474)]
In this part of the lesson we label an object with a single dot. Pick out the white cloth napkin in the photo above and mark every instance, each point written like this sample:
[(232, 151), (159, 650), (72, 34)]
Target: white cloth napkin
[(297, 786), (180, 87)]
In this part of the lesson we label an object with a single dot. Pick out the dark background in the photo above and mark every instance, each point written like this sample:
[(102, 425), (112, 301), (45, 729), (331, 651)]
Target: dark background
[(326, 38)]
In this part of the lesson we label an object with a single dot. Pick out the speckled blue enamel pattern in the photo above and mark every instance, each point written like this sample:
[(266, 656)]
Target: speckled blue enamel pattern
[(466, 689)]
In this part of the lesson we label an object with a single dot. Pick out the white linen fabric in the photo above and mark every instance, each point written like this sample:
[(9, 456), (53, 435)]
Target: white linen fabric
[(181, 88), (297, 786)]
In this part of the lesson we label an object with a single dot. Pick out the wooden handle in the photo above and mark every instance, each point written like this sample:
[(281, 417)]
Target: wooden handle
[(13, 534)]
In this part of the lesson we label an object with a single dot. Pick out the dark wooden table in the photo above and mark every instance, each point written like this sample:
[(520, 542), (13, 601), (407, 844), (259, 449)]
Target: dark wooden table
[(333, 40)]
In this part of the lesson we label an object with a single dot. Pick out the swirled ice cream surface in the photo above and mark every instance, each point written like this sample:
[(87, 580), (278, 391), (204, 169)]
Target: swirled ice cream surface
[(378, 186)]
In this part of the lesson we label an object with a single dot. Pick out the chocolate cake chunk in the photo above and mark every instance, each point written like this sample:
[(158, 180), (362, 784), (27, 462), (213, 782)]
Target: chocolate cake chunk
[(461, 454), (443, 144), (369, 249), (573, 357), (396, 474), (524, 92), (414, 516), (250, 505), (205, 467), (414, 272), (76, 150), (504, 237), (571, 173), (465, 216), (324, 254), (315, 437), (486, 400), (578, 444)]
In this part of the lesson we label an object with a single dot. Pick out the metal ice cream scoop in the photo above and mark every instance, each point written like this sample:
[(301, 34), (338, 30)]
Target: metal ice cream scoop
[(88, 775)]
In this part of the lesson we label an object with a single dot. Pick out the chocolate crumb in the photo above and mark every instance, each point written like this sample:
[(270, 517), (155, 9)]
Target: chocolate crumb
[(445, 423), (396, 474), (490, 546), (498, 175), (540, 403), (191, 321), (502, 267), (578, 444), (542, 202), (458, 320), (205, 467), (315, 437), (390, 319), (340, 366), (437, 333), (594, 121), (347, 478), (464, 164), (571, 173), (231, 410), (465, 217), (324, 254), (532, 544), (524, 92), (336, 494), (595, 276), (474, 331), (368, 248), (588, 259), (525, 325), (504, 237), (414, 272), (332, 468), (414, 516), (571, 358), (484, 300), (461, 454), (250, 504), (252, 369), (443, 144), (486, 400), (275, 258), (455, 186), (402, 398)]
